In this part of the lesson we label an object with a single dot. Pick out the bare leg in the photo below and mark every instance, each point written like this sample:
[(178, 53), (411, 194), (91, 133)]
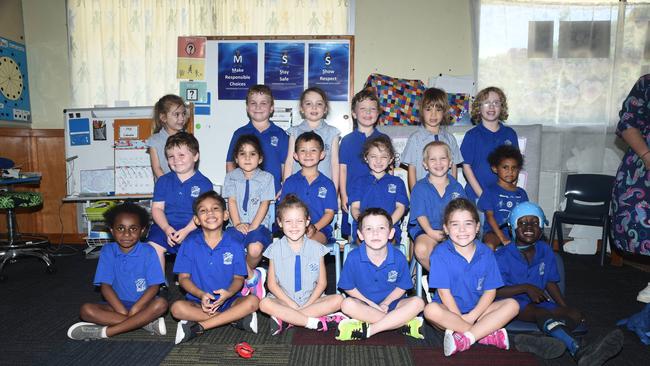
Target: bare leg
[(423, 247), (440, 316), (253, 257), (187, 310), (406, 310), (323, 306), (160, 251), (496, 316), (117, 323)]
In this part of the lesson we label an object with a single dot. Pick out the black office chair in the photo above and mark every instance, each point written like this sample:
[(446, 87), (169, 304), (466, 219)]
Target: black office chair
[(588, 197)]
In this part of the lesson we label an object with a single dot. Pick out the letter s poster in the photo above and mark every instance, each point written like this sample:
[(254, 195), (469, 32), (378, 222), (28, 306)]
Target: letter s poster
[(284, 69), (237, 69), (329, 67)]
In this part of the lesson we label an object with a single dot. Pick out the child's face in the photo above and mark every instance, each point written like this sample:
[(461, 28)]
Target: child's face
[(507, 171), (293, 223), (313, 107), (375, 231), (437, 161), (259, 107), (181, 160), (378, 160), (309, 154), (127, 231), (248, 158), (175, 118), (432, 116), (461, 228), (210, 215), (491, 108), (366, 113), (528, 230)]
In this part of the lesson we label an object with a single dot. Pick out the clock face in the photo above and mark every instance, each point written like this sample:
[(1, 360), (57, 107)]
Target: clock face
[(11, 79)]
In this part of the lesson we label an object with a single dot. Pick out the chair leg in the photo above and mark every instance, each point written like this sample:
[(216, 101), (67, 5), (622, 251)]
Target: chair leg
[(418, 278), (560, 236), (552, 237), (604, 242)]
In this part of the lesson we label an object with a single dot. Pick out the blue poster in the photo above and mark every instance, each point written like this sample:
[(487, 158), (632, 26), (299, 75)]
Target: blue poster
[(14, 90), (328, 69), (237, 70), (284, 69)]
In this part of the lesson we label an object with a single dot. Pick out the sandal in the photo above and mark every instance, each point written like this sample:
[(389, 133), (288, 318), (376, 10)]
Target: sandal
[(244, 350)]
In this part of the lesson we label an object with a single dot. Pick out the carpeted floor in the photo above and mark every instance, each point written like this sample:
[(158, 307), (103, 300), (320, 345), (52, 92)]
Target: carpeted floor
[(38, 308)]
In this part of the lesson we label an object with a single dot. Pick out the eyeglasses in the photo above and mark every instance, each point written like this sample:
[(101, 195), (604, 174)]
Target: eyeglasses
[(496, 104)]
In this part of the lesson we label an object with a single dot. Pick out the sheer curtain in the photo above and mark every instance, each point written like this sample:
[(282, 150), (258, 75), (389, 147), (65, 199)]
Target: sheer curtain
[(126, 49)]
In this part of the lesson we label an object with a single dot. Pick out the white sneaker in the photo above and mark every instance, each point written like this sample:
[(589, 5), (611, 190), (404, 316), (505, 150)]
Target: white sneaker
[(644, 295), (156, 327), (425, 287)]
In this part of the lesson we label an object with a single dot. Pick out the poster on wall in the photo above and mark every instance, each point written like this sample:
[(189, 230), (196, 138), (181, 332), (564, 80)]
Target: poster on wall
[(191, 58), (14, 90), (329, 68), (284, 69), (237, 69)]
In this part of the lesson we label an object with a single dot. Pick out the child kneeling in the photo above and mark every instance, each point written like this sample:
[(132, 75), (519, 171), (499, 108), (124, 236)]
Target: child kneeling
[(376, 277), (211, 267)]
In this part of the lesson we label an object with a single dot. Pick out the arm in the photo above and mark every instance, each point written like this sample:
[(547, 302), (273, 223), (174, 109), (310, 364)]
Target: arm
[(111, 298), (235, 220), (471, 179), (489, 216), (287, 169), (230, 166), (412, 177), (486, 299), (394, 295), (535, 294), (358, 295), (632, 136), (235, 286), (155, 163), (147, 296), (275, 288), (355, 209), (448, 300), (555, 293), (328, 216), (158, 215), (321, 284), (399, 212), (437, 235), (260, 215), (343, 181), (334, 160), (454, 171)]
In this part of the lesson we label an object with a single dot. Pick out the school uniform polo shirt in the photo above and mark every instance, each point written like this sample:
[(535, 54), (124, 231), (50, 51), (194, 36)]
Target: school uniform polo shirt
[(179, 196), (500, 201), (350, 154), (212, 269), (413, 151), (384, 193), (275, 145), (286, 272), (129, 274), (467, 281), (328, 133), (158, 141), (375, 282), (477, 144), (260, 188), (426, 201), (515, 269), (318, 196)]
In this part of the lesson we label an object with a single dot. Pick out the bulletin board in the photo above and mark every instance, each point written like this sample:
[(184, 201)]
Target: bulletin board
[(14, 89)]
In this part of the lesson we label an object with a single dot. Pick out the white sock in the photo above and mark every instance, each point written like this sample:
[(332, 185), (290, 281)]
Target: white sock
[(104, 332), (312, 323), (471, 337)]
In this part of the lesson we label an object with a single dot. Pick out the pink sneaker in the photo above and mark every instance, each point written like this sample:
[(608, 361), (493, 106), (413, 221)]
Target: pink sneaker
[(455, 342), (498, 338), (277, 325), (257, 286)]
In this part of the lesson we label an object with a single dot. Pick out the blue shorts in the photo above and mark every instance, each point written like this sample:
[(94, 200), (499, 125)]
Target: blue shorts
[(226, 304), (261, 234), (159, 237)]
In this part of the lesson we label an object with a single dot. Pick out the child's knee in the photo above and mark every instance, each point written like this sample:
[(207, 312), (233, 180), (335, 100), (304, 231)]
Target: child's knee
[(254, 250), (348, 304), (433, 311), (87, 311), (159, 305), (421, 249), (265, 304), (511, 305), (178, 309)]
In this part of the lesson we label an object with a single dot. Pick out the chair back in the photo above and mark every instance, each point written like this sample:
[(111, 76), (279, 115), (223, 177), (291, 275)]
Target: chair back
[(596, 189)]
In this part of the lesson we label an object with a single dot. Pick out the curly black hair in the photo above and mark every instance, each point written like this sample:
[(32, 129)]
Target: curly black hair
[(126, 208), (506, 152)]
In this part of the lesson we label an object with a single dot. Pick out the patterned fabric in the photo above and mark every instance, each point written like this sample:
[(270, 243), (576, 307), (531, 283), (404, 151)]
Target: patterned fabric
[(630, 199), (459, 111), (11, 200), (399, 99)]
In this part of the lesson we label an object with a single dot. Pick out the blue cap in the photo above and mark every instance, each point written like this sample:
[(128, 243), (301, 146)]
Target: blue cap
[(525, 209)]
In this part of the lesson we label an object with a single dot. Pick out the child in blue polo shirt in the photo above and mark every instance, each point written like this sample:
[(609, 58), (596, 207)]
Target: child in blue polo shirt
[(489, 110), (376, 277), (312, 187), (173, 194), (429, 197), (378, 188), (297, 277), (249, 191), (435, 116), (129, 277), (528, 268), (500, 198), (365, 115), (211, 268), (274, 140), (466, 276)]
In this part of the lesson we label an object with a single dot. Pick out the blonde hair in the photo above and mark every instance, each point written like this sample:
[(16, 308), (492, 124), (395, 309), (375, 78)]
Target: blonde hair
[(425, 151), (163, 106), (482, 97), (437, 98)]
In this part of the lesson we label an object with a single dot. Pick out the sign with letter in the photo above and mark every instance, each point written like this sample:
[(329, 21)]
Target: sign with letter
[(329, 65), (284, 69), (237, 69)]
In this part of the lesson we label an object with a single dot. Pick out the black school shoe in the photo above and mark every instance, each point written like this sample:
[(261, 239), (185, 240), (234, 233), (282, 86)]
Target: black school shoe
[(247, 323), (595, 354), (186, 330), (544, 347)]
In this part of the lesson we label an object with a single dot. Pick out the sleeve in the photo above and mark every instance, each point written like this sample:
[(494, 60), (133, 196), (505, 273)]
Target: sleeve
[(418, 204), (104, 272), (493, 278), (344, 151), (229, 187), (206, 185), (271, 251), (553, 272), (467, 148), (322, 250), (456, 155), (154, 274), (500, 256), (268, 194), (336, 134), (183, 262), (486, 202), (438, 274), (239, 260), (354, 194), (159, 189), (331, 199), (524, 195), (404, 280), (287, 187), (402, 197), (409, 155), (346, 279), (634, 111), (231, 147), (515, 138), (283, 146)]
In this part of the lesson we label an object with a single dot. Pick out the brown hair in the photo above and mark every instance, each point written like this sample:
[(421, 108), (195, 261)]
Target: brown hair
[(383, 143), (183, 139), (436, 98), (460, 204), (366, 94), (482, 97), (290, 201), (319, 91), (375, 211), (259, 89), (163, 106)]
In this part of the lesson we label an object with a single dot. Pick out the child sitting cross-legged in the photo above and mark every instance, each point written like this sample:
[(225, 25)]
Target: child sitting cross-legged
[(129, 276), (297, 277), (376, 277), (211, 267)]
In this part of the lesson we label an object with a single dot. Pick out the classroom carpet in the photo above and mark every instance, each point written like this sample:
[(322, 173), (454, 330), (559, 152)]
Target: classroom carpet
[(37, 309)]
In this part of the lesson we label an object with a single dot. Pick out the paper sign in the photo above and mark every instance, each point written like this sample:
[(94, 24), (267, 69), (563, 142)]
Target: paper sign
[(329, 69), (191, 47), (237, 70), (194, 91), (284, 70), (191, 68)]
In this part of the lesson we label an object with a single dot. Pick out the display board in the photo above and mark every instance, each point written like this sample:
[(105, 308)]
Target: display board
[(14, 90)]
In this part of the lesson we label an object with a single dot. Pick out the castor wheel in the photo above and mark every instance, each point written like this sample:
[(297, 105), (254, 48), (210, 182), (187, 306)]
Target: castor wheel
[(50, 269)]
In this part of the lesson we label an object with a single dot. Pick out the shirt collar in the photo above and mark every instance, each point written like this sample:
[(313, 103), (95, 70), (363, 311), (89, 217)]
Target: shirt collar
[(285, 249), (135, 252), (390, 257)]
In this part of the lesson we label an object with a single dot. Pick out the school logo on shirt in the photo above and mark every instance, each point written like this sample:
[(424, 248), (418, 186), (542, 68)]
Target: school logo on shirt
[(507, 142), (542, 267), (227, 258), (140, 285), (274, 141), (322, 192), (455, 195), (195, 191), (392, 188), (479, 285), (313, 267), (392, 276), (253, 201)]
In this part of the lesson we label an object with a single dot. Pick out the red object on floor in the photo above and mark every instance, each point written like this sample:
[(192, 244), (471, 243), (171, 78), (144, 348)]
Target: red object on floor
[(244, 350)]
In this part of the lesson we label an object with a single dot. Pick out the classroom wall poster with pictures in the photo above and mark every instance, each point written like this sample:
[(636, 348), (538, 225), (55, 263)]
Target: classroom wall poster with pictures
[(14, 90)]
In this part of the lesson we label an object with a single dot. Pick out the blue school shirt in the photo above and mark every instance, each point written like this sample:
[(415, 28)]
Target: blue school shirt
[(275, 144), (318, 196), (328, 133), (179, 196), (375, 282), (212, 269), (466, 281), (260, 189), (477, 144), (129, 274), (515, 269), (500, 201), (425, 201), (414, 149), (383, 193), (350, 153)]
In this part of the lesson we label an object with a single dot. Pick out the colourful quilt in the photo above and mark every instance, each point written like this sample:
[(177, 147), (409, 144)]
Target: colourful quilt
[(399, 99)]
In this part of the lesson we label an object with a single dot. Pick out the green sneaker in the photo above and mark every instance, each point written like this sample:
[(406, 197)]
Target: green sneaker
[(351, 329), (414, 328)]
